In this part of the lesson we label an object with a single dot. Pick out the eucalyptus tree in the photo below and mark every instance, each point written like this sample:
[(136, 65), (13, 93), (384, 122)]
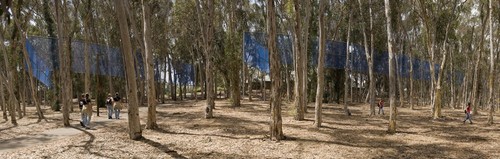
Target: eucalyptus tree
[(492, 66), (321, 64), (392, 80), (135, 132), (205, 11), (368, 54), (150, 77), (302, 13), (274, 57), (63, 58)]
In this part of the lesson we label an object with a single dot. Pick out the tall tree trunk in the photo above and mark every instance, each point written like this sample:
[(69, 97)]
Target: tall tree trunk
[(368, 55), (250, 83), (171, 79), (207, 30), (4, 104), (195, 82), (492, 68), (276, 122), (12, 98), (304, 52), (347, 66), (150, 75), (452, 74), (370, 64), (392, 80), (135, 132), (321, 65), (234, 72), (164, 85), (300, 95), (263, 85), (86, 48), (474, 97), (438, 95), (411, 72), (62, 42)]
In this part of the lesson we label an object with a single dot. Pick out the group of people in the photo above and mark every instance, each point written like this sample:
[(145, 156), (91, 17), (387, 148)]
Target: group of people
[(112, 103)]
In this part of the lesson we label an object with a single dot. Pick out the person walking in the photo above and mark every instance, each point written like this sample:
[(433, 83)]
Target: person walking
[(381, 106), (81, 105), (109, 106), (117, 106), (467, 114)]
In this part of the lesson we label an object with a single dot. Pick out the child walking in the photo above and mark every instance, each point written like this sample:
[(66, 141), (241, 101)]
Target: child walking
[(381, 106), (467, 114)]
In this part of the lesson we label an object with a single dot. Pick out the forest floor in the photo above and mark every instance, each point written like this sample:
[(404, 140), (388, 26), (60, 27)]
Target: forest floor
[(243, 133)]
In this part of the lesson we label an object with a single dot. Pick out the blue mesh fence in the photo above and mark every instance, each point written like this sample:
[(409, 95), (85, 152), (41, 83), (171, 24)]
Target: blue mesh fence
[(104, 60), (256, 55)]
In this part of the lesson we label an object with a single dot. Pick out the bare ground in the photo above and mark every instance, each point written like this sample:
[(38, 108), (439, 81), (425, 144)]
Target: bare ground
[(243, 133)]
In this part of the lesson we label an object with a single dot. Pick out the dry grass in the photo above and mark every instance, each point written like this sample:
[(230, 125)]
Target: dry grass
[(242, 133)]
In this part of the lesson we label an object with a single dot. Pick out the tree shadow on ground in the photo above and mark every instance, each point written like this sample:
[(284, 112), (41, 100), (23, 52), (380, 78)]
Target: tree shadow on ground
[(8, 128), (213, 154), (163, 148), (88, 144), (164, 131)]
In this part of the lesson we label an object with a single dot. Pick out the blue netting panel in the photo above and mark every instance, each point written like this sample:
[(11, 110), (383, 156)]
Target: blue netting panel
[(104, 60), (256, 55), (41, 68)]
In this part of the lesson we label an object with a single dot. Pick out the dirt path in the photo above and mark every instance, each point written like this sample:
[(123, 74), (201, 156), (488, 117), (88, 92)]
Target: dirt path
[(52, 135)]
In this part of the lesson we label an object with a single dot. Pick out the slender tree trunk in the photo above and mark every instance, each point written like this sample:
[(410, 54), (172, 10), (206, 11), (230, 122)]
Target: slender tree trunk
[(300, 95), (452, 78), (474, 97), (438, 95), (164, 85), (321, 65), (250, 83), (492, 68), (12, 99), (370, 64), (171, 79), (86, 50), (135, 132), (4, 104), (347, 66), (195, 82), (148, 48), (411, 73), (304, 53), (399, 79), (276, 122), (234, 72), (207, 30), (392, 80), (62, 42), (368, 54)]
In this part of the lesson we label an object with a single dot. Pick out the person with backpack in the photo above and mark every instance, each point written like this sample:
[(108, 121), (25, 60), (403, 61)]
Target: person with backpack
[(109, 106), (467, 114), (117, 106), (380, 105)]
